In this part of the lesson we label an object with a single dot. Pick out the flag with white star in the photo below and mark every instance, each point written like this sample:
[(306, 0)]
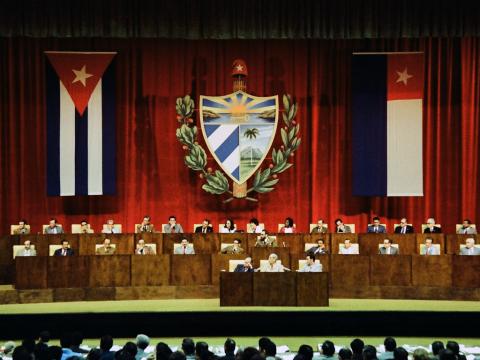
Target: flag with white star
[(387, 115), (80, 96)]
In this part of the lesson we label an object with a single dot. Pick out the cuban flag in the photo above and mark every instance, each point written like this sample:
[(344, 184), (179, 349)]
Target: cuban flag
[(387, 98), (80, 123)]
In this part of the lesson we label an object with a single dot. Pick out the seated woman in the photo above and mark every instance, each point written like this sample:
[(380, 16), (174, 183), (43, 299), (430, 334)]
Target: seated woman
[(289, 226), (254, 227), (229, 227)]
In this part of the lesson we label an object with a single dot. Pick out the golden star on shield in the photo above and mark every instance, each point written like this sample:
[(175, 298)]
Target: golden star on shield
[(403, 76), (81, 75)]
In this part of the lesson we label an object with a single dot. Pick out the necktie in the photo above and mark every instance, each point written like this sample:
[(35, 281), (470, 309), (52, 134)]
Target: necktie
[(172, 229), (184, 250), (64, 253), (376, 229), (204, 230), (141, 251), (428, 251), (465, 231)]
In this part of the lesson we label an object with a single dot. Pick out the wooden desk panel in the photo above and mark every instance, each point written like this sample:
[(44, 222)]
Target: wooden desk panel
[(466, 270), (30, 272), (236, 289), (369, 243), (190, 270), (390, 270), (432, 270), (109, 271), (220, 264), (294, 242), (437, 239), (263, 254), (312, 289), (454, 241), (274, 289), (123, 242), (150, 270), (204, 243), (340, 238), (350, 271), (68, 271), (7, 264)]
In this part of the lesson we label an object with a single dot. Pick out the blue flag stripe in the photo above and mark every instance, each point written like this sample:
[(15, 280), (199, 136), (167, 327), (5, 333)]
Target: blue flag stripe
[(53, 131), (108, 132), (81, 153), (369, 125), (227, 147)]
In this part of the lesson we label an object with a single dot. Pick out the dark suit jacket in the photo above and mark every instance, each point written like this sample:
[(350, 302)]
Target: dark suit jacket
[(436, 229), (58, 252), (198, 229), (398, 229), (314, 251), (241, 268), (381, 229)]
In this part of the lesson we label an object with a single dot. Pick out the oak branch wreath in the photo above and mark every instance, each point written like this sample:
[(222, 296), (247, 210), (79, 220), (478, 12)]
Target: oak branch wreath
[(216, 182)]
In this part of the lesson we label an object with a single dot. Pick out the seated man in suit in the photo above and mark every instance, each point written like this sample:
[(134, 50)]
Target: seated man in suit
[(65, 250), (320, 228), (470, 248), (184, 249), (53, 228), (429, 249), (348, 249), (245, 267), (340, 227), (206, 227), (311, 265), (235, 248), (85, 227), (110, 228), (320, 249), (106, 248), (143, 249), (387, 248), (375, 227), (22, 229), (263, 240), (404, 228), (467, 228), (172, 227), (27, 250), (146, 226), (431, 228), (272, 265)]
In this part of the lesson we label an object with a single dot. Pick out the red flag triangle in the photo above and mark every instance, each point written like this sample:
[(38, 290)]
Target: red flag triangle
[(80, 73)]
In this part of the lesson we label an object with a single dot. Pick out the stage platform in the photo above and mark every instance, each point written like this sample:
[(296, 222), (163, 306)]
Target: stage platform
[(205, 317)]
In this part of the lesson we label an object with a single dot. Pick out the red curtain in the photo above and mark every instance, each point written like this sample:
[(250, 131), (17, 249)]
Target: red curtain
[(152, 178)]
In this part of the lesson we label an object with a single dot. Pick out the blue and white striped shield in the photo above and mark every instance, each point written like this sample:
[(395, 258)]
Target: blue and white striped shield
[(239, 130)]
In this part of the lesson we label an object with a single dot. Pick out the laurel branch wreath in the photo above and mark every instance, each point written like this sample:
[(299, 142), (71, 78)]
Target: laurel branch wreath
[(215, 181)]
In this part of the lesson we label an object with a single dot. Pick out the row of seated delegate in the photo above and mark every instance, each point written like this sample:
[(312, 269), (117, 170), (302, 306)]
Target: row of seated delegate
[(184, 247), (253, 226)]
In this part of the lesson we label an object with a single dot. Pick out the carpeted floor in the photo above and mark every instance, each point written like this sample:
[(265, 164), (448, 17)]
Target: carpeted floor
[(212, 305)]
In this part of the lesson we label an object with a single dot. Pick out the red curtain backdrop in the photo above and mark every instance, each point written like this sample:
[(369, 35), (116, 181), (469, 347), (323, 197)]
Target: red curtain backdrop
[(152, 178)]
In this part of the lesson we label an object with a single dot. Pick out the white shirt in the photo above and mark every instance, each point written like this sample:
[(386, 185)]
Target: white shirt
[(275, 268), (225, 230), (288, 230)]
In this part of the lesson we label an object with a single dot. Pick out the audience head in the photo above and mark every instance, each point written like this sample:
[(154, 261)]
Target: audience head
[(470, 242), (345, 354), (172, 220), (247, 261), (66, 340), (77, 338), (338, 222), (230, 344), (403, 222), (310, 259), (400, 354), (262, 343), (106, 242), (205, 223), (430, 221), (369, 352), (52, 222), (320, 223), (249, 352), (254, 221), (146, 219), (27, 244), (22, 222), (376, 221), (357, 346), (306, 351), (65, 244), (447, 354), (177, 355), (8, 347), (29, 344), (106, 343), (347, 243), (428, 241), (84, 222), (437, 346), (44, 336), (202, 352), (110, 222), (390, 344), (420, 354), (387, 242), (328, 348), (466, 222), (162, 351), (453, 346), (270, 349), (142, 341), (21, 353), (272, 259), (141, 243), (130, 348), (288, 222), (188, 346), (184, 242), (229, 224)]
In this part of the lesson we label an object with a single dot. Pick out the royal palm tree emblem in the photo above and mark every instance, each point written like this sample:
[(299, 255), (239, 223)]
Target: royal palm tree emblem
[(251, 134)]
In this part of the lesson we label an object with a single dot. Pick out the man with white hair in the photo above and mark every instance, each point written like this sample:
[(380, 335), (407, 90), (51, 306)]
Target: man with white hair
[(142, 342), (431, 228), (272, 265), (470, 248)]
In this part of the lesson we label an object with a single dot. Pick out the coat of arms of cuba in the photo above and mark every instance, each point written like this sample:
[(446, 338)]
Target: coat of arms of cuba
[(238, 129)]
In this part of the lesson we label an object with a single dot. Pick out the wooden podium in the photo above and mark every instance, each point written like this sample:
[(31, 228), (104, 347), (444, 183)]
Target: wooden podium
[(274, 289)]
